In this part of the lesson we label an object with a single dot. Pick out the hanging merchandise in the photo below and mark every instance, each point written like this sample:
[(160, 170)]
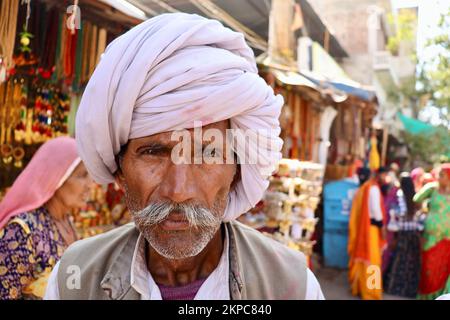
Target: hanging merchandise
[(67, 58), (76, 84), (51, 109), (374, 156), (30, 114), (11, 153), (295, 100), (93, 50), (299, 124), (84, 73), (102, 36), (68, 54), (25, 36), (44, 67), (92, 43), (44, 107), (9, 107), (8, 21)]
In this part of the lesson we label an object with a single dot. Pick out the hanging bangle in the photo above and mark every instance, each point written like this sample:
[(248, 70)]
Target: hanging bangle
[(18, 154), (6, 152)]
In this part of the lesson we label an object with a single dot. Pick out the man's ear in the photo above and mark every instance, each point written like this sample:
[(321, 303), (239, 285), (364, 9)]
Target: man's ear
[(118, 175), (119, 178)]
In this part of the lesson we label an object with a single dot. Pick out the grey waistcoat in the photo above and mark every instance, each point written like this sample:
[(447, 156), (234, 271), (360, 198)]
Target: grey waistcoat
[(260, 268)]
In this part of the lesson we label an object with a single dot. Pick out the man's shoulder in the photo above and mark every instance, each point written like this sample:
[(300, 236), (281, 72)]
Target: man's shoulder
[(253, 240), (94, 245), (94, 257), (260, 257)]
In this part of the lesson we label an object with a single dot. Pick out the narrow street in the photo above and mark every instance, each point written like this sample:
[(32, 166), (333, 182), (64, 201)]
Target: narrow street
[(334, 283)]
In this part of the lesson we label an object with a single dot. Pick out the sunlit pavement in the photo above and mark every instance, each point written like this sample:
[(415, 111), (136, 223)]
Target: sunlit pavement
[(335, 286)]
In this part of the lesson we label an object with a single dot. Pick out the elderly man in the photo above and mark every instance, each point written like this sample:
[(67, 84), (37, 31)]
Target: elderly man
[(170, 73)]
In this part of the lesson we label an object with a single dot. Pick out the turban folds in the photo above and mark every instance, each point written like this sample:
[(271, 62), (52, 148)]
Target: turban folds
[(167, 73)]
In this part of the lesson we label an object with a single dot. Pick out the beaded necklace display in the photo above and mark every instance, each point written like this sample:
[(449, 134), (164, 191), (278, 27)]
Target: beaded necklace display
[(8, 21)]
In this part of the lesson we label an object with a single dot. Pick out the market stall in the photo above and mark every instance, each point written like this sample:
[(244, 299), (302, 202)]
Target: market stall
[(286, 213), (105, 210), (326, 122), (350, 138), (48, 52)]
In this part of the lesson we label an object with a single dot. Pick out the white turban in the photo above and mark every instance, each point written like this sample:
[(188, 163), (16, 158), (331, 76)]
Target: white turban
[(167, 73)]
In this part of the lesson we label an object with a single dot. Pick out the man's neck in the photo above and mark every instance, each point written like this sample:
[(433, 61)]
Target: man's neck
[(181, 272)]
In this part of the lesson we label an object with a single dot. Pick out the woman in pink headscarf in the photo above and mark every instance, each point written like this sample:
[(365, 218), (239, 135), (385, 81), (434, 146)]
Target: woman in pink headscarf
[(417, 177), (35, 228), (435, 273)]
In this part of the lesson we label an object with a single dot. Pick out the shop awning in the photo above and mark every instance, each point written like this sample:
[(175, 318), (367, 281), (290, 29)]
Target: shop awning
[(353, 89), (329, 79), (293, 79), (290, 76), (415, 126), (253, 14)]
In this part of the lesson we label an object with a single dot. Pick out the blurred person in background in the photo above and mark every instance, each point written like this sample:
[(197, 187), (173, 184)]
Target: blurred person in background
[(389, 190), (393, 175), (363, 175), (428, 177), (35, 228), (435, 271), (417, 177), (366, 237), (401, 277), (435, 173)]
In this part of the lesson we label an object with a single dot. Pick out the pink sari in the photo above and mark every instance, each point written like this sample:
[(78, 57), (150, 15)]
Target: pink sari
[(49, 168)]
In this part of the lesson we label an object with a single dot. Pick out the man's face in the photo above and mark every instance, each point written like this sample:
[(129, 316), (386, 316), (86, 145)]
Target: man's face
[(177, 207)]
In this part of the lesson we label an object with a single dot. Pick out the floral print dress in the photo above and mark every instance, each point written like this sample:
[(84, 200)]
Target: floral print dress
[(435, 273), (30, 246), (402, 273)]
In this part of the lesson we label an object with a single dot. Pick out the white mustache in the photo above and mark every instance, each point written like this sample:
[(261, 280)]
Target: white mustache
[(197, 216)]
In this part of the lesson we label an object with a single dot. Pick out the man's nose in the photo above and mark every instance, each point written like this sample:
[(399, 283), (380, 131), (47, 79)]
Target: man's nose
[(179, 184)]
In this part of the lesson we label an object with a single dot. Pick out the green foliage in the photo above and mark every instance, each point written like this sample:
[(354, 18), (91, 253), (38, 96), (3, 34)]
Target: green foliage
[(435, 75), (393, 94), (405, 22), (429, 148)]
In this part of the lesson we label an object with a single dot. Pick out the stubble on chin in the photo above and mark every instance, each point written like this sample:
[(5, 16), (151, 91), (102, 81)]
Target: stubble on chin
[(176, 244)]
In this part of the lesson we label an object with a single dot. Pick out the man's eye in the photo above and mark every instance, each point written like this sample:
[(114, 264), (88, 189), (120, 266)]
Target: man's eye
[(153, 151)]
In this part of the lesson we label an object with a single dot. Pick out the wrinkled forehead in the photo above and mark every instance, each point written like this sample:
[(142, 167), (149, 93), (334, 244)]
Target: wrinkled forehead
[(219, 127)]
